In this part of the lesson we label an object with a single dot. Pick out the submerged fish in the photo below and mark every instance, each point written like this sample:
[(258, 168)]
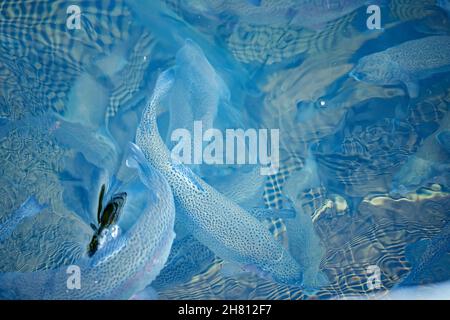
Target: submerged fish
[(28, 209), (125, 264), (304, 243), (425, 253), (430, 163), (406, 63), (224, 227), (436, 291), (106, 217), (315, 14), (96, 148)]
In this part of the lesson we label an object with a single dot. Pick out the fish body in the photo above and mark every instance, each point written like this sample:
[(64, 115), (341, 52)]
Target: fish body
[(216, 221), (197, 90), (406, 63), (436, 291), (125, 264), (107, 220), (315, 14), (244, 185), (444, 4), (187, 258), (28, 209)]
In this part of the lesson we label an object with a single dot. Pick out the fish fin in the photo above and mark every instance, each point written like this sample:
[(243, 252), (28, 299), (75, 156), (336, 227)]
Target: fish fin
[(265, 213), (231, 269), (30, 208), (443, 138), (412, 88)]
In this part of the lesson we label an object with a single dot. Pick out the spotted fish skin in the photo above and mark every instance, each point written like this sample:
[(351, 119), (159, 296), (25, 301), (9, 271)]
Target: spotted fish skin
[(437, 247), (304, 13), (406, 63), (315, 14), (124, 265), (216, 221)]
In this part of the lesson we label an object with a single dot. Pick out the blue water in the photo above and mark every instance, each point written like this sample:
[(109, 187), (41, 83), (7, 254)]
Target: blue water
[(364, 158)]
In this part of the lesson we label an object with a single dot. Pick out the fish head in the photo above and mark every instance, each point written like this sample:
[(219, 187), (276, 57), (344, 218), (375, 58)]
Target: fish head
[(413, 174), (377, 69)]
